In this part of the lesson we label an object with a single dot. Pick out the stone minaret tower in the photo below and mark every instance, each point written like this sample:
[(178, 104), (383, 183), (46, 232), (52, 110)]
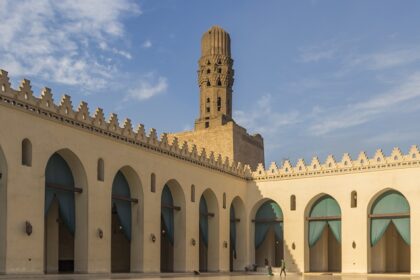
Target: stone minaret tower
[(215, 130), (215, 79)]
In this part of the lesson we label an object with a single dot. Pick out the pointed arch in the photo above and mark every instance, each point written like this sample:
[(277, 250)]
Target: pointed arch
[(266, 240), (209, 239), (237, 226), (65, 199), (389, 232), (3, 202), (323, 234), (173, 227), (127, 192)]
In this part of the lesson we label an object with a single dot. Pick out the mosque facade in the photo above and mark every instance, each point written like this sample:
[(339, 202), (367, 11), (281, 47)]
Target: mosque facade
[(86, 194)]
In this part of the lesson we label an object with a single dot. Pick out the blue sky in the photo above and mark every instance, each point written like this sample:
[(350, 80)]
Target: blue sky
[(313, 77)]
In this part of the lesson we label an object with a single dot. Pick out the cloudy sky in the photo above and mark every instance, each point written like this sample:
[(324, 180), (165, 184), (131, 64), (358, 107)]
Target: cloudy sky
[(313, 77)]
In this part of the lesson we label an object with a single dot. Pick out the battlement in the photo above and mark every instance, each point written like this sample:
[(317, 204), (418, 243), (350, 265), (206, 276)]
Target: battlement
[(23, 99), (331, 167)]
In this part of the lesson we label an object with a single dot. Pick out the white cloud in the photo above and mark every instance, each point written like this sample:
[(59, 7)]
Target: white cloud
[(262, 119), (147, 44), (386, 59), (149, 86), (362, 112), (59, 40)]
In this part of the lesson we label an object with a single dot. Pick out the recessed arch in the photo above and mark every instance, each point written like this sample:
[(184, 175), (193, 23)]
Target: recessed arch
[(3, 201), (266, 240), (323, 234), (66, 202), (237, 229), (127, 187), (209, 232), (389, 241), (173, 227)]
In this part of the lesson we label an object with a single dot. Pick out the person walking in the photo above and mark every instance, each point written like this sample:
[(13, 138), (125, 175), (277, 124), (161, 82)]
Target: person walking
[(269, 269), (283, 267)]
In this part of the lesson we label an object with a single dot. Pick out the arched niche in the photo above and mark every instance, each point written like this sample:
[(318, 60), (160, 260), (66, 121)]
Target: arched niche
[(209, 239), (323, 234), (173, 228), (389, 233), (129, 195), (237, 235), (65, 211)]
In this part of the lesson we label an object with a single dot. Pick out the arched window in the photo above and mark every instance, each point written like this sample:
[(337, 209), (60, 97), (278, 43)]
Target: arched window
[(153, 182), (208, 71), (208, 83), (26, 152), (192, 193), (101, 165), (353, 199), (293, 202), (208, 100), (219, 103), (219, 82), (224, 200)]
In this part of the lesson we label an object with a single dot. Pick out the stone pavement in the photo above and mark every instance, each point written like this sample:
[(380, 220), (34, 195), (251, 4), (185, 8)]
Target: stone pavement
[(212, 276)]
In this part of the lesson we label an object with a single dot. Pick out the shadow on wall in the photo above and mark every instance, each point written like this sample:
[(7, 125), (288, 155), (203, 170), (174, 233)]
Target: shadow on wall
[(258, 199), (290, 260)]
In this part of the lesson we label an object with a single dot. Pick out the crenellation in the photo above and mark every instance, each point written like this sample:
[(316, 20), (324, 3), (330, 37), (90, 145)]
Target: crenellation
[(82, 113), (66, 108), (99, 118), (330, 162), (362, 159), (25, 92), (346, 161), (113, 125), (140, 133), (128, 129), (163, 142), (315, 164), (363, 163), (152, 137), (4, 81), (46, 101)]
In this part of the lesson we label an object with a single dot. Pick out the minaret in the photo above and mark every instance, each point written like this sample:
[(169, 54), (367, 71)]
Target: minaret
[(215, 79)]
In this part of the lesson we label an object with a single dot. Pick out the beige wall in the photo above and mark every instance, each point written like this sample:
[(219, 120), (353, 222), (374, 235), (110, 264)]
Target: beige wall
[(229, 140), (22, 191), (355, 226), (25, 196)]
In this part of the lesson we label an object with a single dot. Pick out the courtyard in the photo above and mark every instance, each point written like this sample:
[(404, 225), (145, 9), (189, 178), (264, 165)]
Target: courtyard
[(213, 276)]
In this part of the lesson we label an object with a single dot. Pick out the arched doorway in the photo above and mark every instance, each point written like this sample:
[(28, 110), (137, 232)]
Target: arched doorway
[(60, 220), (121, 224), (3, 201), (208, 232), (324, 235), (172, 241), (237, 253), (269, 234), (167, 231), (390, 233)]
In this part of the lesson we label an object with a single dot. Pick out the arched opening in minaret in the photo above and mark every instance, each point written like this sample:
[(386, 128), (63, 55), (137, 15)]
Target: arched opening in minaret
[(208, 232), (269, 234), (219, 103), (324, 235), (390, 241), (173, 221)]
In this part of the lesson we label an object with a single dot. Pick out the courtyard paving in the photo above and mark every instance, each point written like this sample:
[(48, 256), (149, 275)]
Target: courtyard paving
[(212, 276)]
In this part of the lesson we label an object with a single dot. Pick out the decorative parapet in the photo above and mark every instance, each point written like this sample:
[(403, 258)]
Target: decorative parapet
[(44, 107), (331, 167)]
